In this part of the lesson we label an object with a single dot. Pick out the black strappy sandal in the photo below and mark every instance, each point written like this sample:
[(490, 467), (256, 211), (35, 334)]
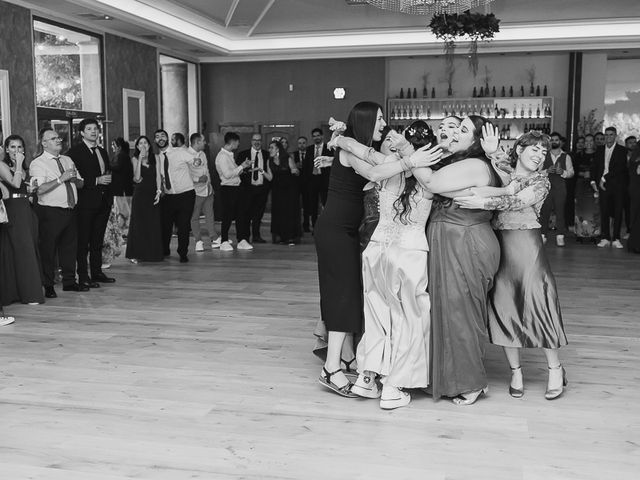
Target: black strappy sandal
[(325, 380), (347, 365)]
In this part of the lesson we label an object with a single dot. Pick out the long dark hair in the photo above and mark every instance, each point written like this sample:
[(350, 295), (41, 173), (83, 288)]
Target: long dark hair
[(150, 155), (7, 141), (361, 120), (283, 155), (123, 144), (419, 134)]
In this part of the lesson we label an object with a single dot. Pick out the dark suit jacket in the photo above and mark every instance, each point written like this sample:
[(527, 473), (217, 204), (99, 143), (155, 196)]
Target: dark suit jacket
[(307, 166), (618, 175), (245, 177), (91, 195)]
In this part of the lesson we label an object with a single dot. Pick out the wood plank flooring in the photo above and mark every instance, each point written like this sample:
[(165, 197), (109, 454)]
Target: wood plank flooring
[(204, 371)]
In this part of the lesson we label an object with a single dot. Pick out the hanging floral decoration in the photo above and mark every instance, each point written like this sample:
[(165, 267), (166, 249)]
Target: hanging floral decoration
[(474, 26)]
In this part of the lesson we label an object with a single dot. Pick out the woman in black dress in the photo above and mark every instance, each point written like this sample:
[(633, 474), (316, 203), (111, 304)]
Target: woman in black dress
[(338, 247), (634, 196), (20, 274), (285, 195), (145, 240)]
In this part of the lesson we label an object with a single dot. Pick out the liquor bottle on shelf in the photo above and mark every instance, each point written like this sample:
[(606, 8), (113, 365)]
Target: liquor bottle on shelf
[(537, 90), (450, 91), (496, 112), (503, 112), (522, 90), (428, 111), (474, 109), (475, 92), (425, 94), (531, 90), (544, 92), (503, 92), (511, 90), (409, 92), (514, 114), (410, 111), (481, 91), (433, 92), (392, 115), (493, 91), (405, 114), (415, 94), (530, 111), (522, 111), (525, 129), (538, 111), (445, 110), (401, 93), (508, 131)]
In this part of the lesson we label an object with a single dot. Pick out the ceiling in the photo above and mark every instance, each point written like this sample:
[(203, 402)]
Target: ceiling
[(240, 30)]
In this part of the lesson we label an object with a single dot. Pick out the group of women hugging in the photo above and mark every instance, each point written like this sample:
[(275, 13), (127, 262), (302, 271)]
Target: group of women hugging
[(414, 280)]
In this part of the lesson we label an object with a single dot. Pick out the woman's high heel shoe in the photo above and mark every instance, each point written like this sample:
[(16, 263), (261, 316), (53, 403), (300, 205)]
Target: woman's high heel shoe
[(515, 392), (553, 393), (471, 397)]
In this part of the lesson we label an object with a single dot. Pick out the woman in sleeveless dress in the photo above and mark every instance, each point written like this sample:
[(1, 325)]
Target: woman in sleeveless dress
[(285, 195), (395, 343), (144, 241), (524, 308), (20, 269), (464, 257)]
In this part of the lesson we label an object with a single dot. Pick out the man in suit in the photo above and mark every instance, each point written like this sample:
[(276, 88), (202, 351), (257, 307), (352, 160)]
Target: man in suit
[(95, 200), (254, 188), (610, 179), (299, 159), (179, 193), (57, 182), (315, 179)]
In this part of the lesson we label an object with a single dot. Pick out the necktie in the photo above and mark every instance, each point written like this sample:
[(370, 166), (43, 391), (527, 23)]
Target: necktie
[(167, 181), (256, 164), (71, 199), (316, 170), (96, 152)]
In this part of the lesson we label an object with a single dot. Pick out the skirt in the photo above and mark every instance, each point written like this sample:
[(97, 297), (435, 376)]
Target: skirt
[(524, 310), (395, 343)]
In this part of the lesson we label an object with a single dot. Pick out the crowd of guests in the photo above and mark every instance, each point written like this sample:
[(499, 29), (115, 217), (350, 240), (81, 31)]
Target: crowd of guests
[(595, 190), (68, 215)]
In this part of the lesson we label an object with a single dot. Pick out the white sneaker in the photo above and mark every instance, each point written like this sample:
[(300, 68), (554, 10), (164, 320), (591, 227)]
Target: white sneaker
[(215, 245), (6, 321), (106, 266), (244, 245), (199, 246), (544, 239), (393, 397), (560, 240), (226, 247), (617, 244), (366, 386), (133, 260), (603, 243), (216, 242)]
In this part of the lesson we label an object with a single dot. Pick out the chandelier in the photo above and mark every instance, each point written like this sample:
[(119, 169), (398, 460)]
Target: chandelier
[(428, 7)]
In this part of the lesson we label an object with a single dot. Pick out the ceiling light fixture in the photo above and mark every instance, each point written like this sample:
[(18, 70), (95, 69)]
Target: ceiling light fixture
[(428, 7)]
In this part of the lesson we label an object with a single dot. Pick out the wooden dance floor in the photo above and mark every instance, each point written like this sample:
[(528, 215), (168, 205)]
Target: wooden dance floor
[(204, 371)]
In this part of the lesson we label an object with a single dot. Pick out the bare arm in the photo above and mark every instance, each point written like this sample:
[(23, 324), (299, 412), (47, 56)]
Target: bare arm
[(14, 179), (468, 173), (137, 167)]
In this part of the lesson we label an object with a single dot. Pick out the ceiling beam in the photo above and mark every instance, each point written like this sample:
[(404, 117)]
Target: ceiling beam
[(257, 22), (230, 13)]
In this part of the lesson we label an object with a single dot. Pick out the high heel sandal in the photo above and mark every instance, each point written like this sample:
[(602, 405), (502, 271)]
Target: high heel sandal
[(463, 400), (553, 393), (325, 380), (516, 392), (347, 365)]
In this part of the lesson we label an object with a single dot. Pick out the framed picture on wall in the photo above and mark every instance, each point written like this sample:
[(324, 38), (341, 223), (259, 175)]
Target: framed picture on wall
[(5, 109), (133, 117)]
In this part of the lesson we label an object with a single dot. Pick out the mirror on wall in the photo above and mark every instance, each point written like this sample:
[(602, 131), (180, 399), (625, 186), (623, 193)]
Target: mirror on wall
[(133, 118), (5, 110)]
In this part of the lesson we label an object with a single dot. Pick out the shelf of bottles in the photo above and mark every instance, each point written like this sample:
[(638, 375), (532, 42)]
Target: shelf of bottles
[(513, 116)]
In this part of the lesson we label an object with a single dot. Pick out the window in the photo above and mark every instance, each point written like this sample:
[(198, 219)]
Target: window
[(68, 68)]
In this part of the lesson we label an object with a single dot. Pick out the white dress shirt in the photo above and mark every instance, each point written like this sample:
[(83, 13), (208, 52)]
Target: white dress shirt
[(227, 169), (179, 174), (44, 169), (607, 158), (198, 167)]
